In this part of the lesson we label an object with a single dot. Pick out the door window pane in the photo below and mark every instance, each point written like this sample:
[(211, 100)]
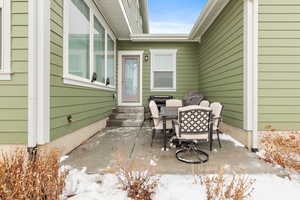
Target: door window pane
[(99, 50), (130, 79), (110, 60), (79, 39), (163, 79)]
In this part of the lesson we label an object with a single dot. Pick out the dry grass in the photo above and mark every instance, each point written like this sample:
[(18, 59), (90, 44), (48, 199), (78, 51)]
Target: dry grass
[(220, 188), (281, 148), (139, 181), (24, 178)]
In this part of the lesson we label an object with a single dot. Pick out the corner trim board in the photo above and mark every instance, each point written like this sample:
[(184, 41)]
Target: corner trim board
[(38, 77)]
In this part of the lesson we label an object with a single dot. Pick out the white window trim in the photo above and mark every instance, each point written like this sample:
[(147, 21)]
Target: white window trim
[(251, 68), (163, 51), (80, 81), (5, 70)]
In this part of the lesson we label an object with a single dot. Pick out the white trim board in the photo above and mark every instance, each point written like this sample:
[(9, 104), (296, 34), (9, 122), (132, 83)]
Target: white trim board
[(251, 67), (38, 77), (120, 65), (5, 66), (125, 16), (161, 38)]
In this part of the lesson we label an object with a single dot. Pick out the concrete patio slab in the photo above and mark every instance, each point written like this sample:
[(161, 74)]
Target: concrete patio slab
[(102, 151)]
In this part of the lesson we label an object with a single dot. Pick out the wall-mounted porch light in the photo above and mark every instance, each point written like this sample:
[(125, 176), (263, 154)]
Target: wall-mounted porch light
[(146, 58)]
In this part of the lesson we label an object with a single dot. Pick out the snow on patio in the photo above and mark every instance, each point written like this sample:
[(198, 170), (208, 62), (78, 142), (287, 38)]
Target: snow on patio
[(270, 182), (83, 186)]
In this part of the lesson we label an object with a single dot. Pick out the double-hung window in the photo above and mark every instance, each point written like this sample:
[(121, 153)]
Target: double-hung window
[(5, 71), (163, 69), (90, 47)]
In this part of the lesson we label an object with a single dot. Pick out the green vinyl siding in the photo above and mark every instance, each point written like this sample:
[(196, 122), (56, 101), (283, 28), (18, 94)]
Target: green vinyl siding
[(221, 62), (13, 95), (279, 64), (86, 105), (186, 66)]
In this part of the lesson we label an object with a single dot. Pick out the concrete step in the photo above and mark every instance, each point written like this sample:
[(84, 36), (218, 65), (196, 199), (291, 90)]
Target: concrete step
[(124, 123), (125, 116), (129, 109)]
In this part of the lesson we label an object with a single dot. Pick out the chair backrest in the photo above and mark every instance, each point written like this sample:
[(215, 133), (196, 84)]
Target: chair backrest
[(192, 98), (154, 112), (194, 120), (217, 109), (174, 103), (153, 109), (204, 103)]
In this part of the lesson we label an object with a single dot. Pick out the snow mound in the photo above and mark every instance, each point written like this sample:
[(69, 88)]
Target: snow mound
[(83, 186)]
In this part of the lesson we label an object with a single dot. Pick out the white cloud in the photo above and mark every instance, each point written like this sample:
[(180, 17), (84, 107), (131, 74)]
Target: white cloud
[(169, 27)]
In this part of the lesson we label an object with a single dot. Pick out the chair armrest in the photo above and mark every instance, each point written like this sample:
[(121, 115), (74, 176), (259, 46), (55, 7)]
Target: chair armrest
[(155, 118), (217, 118), (175, 122)]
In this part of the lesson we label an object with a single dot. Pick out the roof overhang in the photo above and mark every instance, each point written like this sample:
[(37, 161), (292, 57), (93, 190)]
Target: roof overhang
[(114, 13), (161, 38), (208, 15)]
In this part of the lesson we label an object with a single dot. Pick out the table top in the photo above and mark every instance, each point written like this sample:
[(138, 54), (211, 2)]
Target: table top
[(169, 112)]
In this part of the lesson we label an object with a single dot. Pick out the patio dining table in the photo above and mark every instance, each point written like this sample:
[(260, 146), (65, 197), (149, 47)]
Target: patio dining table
[(167, 113)]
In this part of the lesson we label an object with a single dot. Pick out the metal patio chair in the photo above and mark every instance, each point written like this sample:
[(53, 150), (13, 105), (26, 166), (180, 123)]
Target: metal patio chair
[(204, 103), (157, 122), (194, 125), (174, 103), (217, 109)]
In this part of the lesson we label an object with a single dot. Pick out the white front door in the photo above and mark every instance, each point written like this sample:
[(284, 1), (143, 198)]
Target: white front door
[(130, 78)]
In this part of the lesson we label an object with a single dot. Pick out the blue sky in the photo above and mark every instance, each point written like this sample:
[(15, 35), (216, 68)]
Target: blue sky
[(174, 16)]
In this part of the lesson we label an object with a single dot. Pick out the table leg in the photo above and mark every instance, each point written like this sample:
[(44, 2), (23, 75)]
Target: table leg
[(165, 133)]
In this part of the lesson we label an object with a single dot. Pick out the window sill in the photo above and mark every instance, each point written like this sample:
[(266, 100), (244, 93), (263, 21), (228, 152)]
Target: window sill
[(86, 83), (163, 90), (5, 76)]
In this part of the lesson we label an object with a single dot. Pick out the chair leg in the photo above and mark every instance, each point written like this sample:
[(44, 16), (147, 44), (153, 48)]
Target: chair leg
[(210, 139), (153, 135), (218, 134)]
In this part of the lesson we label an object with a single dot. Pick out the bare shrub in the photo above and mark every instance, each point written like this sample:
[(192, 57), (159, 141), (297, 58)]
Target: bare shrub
[(139, 181), (24, 178), (220, 188), (282, 148)]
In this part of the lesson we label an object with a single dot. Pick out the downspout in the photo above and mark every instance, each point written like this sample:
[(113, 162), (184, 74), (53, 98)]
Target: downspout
[(251, 70)]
